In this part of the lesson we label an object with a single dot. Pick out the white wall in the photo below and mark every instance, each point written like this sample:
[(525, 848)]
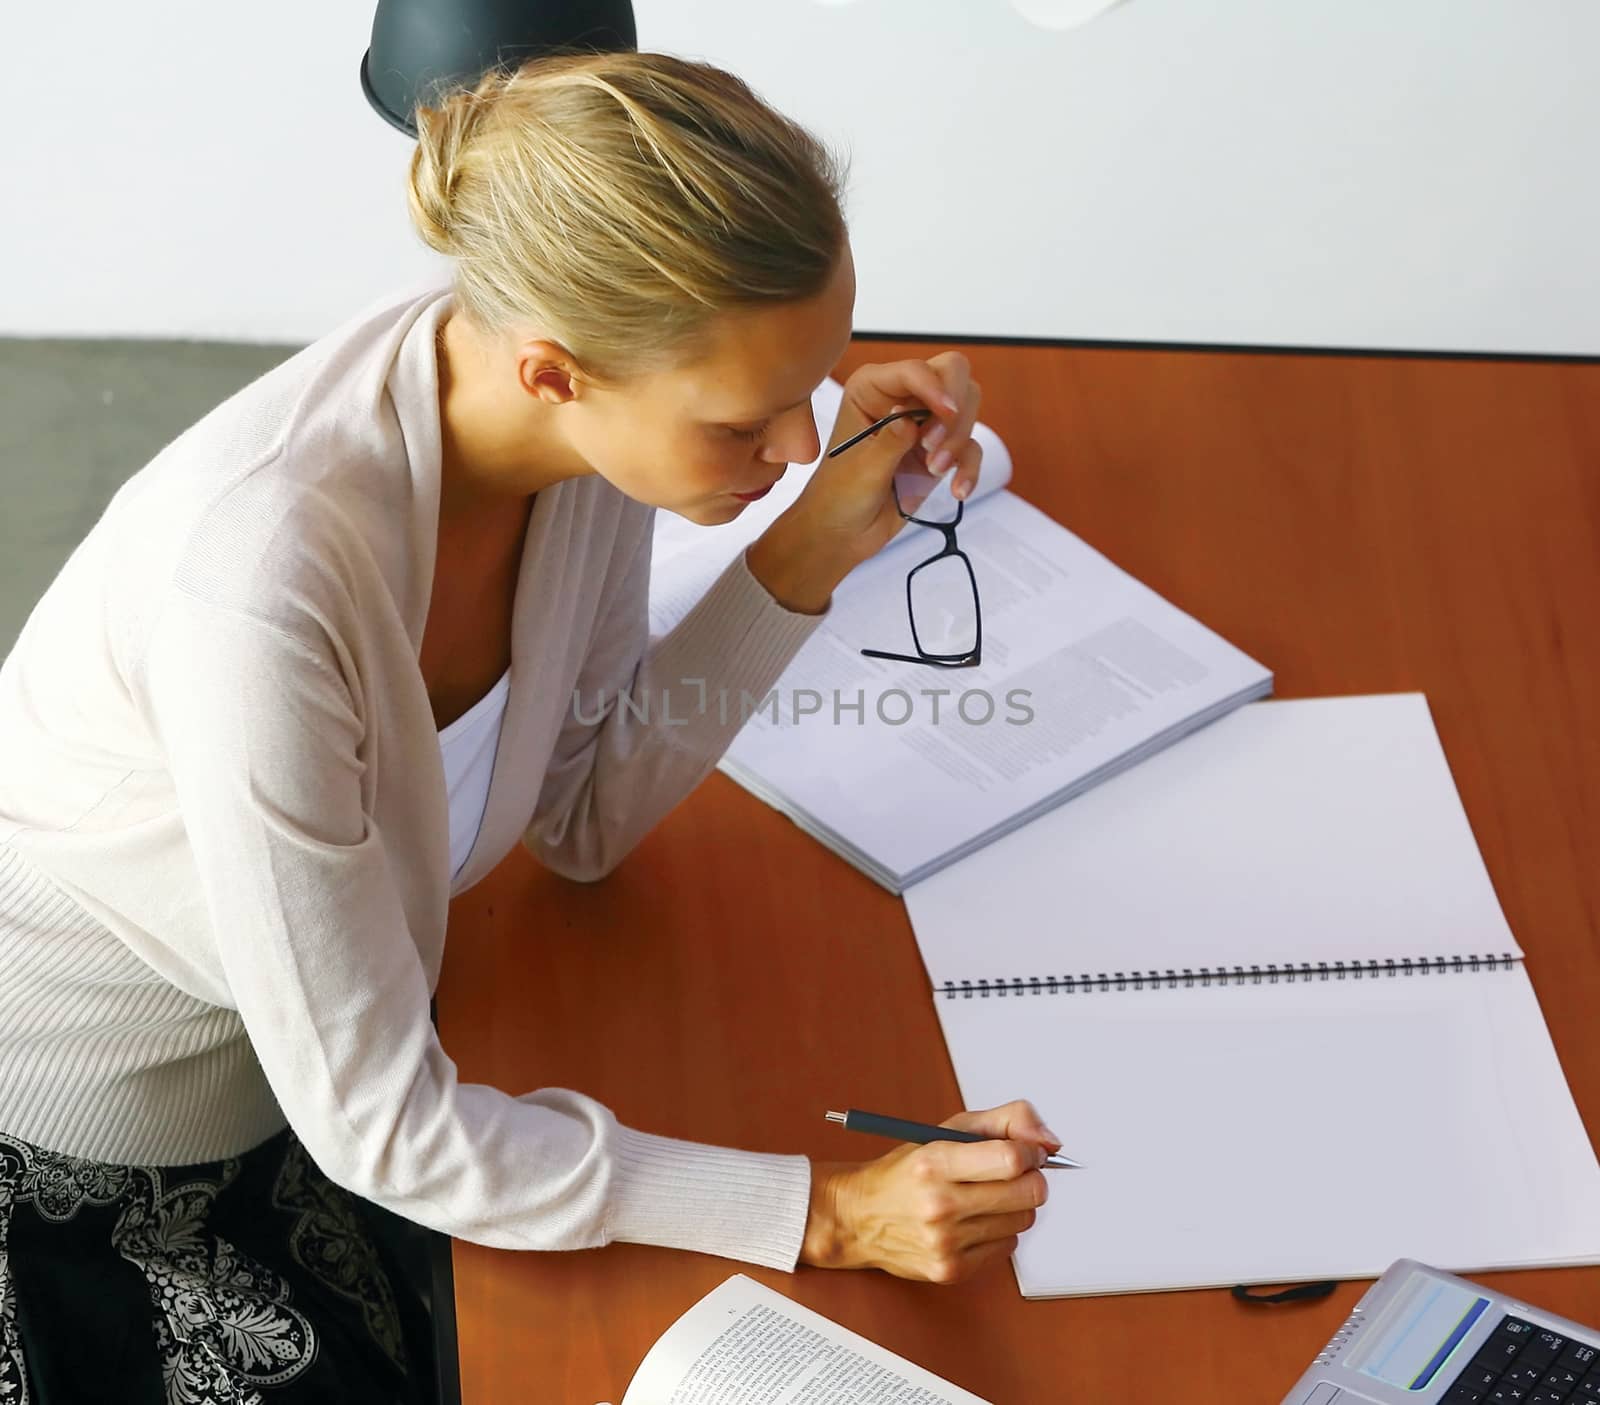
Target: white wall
[(1380, 173)]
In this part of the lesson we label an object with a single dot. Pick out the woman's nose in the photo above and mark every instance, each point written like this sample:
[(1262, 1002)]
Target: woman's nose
[(798, 444)]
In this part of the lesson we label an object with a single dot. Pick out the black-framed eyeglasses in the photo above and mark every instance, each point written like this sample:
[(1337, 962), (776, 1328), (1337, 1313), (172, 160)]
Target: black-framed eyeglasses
[(942, 591)]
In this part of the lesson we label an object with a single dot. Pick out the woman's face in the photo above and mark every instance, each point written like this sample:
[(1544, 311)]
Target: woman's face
[(704, 439)]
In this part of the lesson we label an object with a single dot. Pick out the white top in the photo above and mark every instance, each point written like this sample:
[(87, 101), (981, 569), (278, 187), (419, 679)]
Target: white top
[(224, 827), (468, 746)]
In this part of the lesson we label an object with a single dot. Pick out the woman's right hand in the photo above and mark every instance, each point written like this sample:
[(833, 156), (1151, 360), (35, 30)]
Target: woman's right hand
[(937, 1212)]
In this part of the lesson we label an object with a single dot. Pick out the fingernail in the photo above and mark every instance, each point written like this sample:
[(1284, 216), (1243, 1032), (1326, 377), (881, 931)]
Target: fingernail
[(960, 490), (1050, 1136), (940, 462), (948, 403), (930, 440)]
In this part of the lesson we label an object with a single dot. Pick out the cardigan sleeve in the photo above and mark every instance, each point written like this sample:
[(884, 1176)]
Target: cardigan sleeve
[(263, 741), (649, 719)]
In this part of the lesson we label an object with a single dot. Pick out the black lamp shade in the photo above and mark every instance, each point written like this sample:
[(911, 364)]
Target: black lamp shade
[(422, 46)]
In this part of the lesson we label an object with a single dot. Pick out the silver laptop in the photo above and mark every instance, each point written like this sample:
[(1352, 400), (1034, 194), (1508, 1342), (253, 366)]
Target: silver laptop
[(1429, 1338)]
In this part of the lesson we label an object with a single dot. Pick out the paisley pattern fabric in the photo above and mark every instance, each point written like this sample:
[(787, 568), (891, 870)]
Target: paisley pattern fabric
[(328, 1241), (249, 1281)]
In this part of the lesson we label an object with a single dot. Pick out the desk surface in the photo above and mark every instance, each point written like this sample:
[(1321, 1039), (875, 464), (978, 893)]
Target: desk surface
[(1360, 525)]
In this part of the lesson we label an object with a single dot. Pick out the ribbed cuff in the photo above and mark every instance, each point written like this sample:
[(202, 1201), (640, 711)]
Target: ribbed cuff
[(734, 644), (743, 1205)]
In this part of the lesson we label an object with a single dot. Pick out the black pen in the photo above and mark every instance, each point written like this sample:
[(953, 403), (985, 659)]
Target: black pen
[(920, 1132)]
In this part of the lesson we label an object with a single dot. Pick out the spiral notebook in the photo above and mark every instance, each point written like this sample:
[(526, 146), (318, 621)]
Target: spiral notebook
[(1262, 987)]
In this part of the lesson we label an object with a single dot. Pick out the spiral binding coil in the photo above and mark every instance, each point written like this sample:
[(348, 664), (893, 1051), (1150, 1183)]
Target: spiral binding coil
[(1185, 977)]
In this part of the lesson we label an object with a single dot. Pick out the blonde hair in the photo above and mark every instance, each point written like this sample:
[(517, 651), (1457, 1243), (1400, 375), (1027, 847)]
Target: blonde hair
[(620, 202)]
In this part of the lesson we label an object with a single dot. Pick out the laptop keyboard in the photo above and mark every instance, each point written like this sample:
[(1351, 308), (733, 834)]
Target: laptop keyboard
[(1525, 1365)]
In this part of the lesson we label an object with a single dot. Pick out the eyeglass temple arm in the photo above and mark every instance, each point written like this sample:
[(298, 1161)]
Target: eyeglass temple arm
[(965, 661)]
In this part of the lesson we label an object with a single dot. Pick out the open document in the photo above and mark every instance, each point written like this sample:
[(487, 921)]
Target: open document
[(903, 768), (743, 1342)]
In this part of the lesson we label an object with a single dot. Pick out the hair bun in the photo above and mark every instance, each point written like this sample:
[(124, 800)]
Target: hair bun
[(444, 134)]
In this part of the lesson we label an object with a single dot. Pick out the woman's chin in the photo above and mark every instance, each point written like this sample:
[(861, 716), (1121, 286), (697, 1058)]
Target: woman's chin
[(713, 513)]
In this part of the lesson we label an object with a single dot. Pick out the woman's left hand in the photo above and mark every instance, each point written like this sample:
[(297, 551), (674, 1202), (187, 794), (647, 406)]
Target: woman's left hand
[(849, 500), (846, 512)]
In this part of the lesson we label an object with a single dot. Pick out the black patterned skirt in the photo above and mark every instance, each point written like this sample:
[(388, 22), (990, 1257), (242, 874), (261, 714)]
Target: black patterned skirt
[(250, 1281)]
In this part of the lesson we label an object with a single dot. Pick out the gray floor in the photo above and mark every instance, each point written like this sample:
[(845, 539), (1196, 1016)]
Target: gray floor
[(77, 418)]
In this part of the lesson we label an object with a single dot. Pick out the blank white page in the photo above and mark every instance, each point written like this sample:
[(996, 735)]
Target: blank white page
[(1323, 829), (1263, 1134)]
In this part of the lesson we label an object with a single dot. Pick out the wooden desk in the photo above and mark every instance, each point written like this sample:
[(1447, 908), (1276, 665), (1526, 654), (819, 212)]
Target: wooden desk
[(1360, 525)]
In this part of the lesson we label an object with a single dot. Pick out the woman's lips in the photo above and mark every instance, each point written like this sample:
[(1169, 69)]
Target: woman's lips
[(761, 493)]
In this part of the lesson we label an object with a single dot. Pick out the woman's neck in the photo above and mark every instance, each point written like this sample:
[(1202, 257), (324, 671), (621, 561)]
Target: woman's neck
[(497, 445)]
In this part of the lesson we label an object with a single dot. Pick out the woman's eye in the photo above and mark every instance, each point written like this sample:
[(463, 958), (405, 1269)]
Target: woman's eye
[(755, 433)]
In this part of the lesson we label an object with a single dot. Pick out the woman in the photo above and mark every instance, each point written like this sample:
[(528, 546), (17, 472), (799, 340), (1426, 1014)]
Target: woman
[(247, 740)]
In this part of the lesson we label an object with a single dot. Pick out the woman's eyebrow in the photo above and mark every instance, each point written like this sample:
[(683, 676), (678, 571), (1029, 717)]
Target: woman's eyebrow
[(737, 424)]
